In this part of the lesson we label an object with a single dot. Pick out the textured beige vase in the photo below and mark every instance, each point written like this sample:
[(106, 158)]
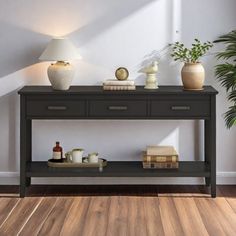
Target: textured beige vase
[(193, 76)]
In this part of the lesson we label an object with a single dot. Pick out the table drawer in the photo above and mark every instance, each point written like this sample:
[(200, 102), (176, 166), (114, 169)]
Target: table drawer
[(55, 109), (118, 108), (180, 109)]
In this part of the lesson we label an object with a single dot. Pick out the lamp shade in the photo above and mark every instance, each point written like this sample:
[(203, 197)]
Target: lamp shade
[(60, 49)]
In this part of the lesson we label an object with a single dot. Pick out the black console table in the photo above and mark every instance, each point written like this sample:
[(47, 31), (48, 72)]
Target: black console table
[(91, 102)]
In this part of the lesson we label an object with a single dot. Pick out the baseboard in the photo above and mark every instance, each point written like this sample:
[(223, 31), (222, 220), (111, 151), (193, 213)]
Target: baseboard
[(12, 178), (226, 178), (9, 178)]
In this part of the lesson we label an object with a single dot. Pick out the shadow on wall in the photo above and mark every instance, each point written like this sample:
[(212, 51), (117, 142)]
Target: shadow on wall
[(14, 134), (116, 12), (120, 140), (169, 72), (21, 46), (9, 125), (35, 74)]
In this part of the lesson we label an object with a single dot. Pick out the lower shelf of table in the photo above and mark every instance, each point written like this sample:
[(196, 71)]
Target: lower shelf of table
[(120, 169)]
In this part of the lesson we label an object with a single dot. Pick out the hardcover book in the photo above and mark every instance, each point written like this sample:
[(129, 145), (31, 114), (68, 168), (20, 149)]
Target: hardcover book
[(156, 158), (117, 87), (160, 165), (161, 151), (119, 82)]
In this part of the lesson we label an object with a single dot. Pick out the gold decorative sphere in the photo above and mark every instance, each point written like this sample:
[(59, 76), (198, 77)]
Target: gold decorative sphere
[(122, 73)]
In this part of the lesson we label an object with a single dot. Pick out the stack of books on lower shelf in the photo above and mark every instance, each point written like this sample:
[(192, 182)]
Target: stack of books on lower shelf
[(160, 157), (119, 85)]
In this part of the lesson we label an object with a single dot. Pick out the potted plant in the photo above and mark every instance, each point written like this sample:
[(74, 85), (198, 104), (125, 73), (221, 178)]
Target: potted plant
[(192, 73), (226, 73)]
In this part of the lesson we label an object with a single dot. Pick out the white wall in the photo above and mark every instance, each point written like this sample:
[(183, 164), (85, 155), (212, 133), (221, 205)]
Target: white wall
[(109, 34)]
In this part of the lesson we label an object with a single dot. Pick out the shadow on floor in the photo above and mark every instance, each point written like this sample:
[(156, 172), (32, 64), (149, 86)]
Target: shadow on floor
[(120, 190)]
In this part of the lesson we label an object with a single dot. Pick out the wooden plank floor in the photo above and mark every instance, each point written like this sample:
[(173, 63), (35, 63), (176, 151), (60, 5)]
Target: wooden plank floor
[(170, 213)]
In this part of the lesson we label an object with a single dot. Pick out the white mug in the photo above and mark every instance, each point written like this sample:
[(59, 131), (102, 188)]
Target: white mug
[(93, 157), (77, 155)]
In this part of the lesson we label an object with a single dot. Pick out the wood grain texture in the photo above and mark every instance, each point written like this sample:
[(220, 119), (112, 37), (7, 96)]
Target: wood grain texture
[(96, 221), (207, 212), (36, 221), (153, 216), (136, 218), (6, 206), (118, 216), (228, 193), (19, 216), (121, 215), (225, 215), (55, 220), (189, 217), (76, 217), (170, 219)]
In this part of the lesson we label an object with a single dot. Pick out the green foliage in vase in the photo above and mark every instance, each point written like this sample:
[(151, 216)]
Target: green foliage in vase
[(226, 73), (190, 55)]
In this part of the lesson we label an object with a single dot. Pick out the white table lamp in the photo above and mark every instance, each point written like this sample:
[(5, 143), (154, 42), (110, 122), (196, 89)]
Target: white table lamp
[(62, 72)]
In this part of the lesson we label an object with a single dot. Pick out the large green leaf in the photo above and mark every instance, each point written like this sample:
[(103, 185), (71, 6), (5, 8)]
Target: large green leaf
[(226, 73), (227, 38), (230, 117), (232, 96)]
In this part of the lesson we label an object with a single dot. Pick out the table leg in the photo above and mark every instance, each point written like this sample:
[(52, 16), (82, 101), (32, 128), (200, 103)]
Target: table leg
[(25, 147), (210, 147)]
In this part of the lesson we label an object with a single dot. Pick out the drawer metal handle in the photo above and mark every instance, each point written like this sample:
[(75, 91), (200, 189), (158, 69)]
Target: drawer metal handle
[(117, 108), (57, 108), (180, 108)]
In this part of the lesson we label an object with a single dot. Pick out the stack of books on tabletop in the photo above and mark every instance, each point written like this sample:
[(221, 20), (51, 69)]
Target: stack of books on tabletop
[(160, 157), (119, 85)]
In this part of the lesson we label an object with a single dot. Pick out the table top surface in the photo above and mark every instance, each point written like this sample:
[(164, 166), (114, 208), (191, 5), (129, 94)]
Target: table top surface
[(99, 90)]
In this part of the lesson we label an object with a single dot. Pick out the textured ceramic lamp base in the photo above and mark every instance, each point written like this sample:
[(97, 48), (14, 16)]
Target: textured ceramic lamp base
[(61, 75)]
